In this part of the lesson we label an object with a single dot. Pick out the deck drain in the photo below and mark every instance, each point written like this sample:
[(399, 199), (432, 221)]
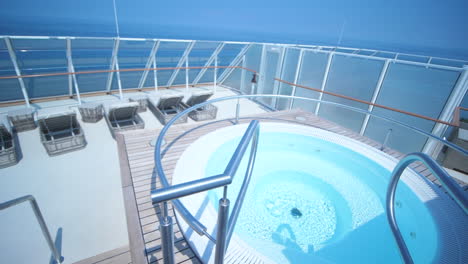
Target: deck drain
[(296, 213), (153, 142)]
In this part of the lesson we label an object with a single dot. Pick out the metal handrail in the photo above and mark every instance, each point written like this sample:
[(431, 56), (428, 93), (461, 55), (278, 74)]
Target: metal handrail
[(225, 224), (445, 179), (40, 220)]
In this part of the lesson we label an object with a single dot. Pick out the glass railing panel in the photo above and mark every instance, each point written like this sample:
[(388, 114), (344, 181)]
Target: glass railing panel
[(412, 88), (40, 56), (252, 61), (133, 54), (199, 56), (227, 55), (91, 55), (311, 74), (270, 70), (234, 79), (208, 76), (288, 74), (10, 88), (402, 139), (354, 77), (168, 55)]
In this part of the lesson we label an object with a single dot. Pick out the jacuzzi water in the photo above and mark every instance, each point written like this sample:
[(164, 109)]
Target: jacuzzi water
[(314, 201)]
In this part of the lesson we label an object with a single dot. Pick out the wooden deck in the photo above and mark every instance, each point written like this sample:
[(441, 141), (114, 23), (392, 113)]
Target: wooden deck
[(137, 162), (116, 256)]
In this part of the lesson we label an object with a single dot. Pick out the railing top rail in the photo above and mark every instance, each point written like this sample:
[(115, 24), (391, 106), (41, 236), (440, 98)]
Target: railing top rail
[(16, 201), (444, 178)]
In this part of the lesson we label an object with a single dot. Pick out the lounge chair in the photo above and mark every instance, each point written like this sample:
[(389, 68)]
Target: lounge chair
[(123, 117), (22, 119), (167, 106), (8, 156), (205, 112), (61, 133)]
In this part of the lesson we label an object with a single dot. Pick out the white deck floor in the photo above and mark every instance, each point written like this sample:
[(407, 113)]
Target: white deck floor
[(79, 193)]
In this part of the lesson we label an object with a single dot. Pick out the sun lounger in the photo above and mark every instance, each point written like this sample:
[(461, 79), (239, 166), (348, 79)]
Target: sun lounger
[(61, 133), (8, 156), (123, 117), (22, 119), (206, 112), (167, 106)]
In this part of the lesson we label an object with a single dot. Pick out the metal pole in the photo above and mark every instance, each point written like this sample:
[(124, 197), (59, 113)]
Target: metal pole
[(45, 230), (115, 52), (324, 81), (215, 72), (40, 220), (223, 215), (242, 85), (167, 237), (387, 136), (149, 62), (237, 111), (296, 76), (155, 74), (71, 68), (186, 74), (11, 51), (119, 83), (208, 63), (377, 89), (70, 77)]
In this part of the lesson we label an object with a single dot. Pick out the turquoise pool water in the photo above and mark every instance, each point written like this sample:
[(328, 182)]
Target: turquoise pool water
[(311, 200)]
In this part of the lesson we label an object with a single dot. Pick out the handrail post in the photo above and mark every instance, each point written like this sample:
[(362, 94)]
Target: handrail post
[(45, 230), (237, 112), (167, 235), (387, 136), (223, 216), (40, 220)]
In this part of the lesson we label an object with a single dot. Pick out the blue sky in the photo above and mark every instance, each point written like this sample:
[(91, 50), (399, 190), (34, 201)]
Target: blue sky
[(417, 26)]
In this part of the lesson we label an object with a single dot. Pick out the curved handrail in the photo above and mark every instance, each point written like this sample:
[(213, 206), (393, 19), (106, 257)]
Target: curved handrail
[(37, 212), (172, 192), (243, 190), (445, 179)]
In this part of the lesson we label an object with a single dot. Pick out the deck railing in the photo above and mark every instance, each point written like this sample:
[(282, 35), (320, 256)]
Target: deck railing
[(40, 219)]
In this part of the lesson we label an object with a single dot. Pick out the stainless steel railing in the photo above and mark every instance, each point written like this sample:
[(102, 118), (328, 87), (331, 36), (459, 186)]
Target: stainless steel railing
[(226, 224), (40, 219), (445, 179)]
